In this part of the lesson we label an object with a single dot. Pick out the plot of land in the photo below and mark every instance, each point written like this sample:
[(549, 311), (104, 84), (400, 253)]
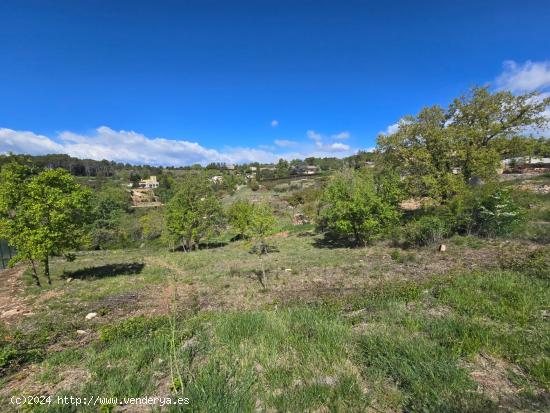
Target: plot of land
[(336, 329)]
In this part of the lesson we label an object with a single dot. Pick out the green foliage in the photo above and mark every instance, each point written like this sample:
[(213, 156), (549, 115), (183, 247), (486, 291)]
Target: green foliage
[(497, 214), (240, 216), (166, 188), (352, 208), (108, 205), (262, 224), (132, 328), (253, 185), (152, 223), (193, 213), (439, 150), (42, 214), (428, 229)]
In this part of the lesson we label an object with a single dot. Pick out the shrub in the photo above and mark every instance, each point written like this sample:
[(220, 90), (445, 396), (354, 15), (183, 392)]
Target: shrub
[(352, 209), (424, 231), (488, 211), (497, 214), (253, 185)]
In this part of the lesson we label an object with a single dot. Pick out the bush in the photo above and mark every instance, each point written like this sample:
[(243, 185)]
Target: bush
[(497, 214), (424, 231), (253, 185), (352, 209)]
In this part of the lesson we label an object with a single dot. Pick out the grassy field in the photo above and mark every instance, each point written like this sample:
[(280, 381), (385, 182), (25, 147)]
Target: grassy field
[(371, 329)]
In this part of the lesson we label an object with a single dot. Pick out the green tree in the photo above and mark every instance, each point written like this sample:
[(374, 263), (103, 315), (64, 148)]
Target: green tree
[(480, 118), (240, 216), (351, 208), (108, 205), (261, 225), (438, 150), (44, 215), (193, 213)]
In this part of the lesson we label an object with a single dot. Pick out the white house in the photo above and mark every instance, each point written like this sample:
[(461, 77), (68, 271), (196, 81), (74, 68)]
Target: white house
[(150, 183)]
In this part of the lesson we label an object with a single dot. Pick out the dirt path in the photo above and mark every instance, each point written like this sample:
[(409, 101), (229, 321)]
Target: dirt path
[(12, 305)]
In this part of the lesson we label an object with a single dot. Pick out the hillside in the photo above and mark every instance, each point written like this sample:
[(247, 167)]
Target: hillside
[(379, 328)]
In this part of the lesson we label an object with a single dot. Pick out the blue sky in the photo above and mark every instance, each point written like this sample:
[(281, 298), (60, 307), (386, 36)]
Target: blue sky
[(197, 81)]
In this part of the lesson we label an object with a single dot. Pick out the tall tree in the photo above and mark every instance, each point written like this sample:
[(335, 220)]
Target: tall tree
[(193, 213), (42, 215), (439, 150)]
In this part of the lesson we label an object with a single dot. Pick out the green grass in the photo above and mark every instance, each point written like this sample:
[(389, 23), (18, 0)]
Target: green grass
[(337, 329)]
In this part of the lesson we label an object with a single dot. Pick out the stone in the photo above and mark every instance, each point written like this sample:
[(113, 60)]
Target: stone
[(442, 248), (89, 316), (69, 280), (81, 332)]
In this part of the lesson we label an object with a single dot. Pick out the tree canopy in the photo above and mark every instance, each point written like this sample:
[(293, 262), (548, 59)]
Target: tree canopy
[(41, 214), (439, 149), (193, 213)]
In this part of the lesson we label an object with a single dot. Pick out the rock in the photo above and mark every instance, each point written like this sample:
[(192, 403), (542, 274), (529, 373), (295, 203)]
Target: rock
[(442, 248), (81, 332), (89, 316), (69, 280)]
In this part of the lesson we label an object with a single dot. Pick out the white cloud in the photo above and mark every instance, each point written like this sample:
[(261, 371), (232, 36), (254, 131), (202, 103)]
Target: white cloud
[(284, 143), (322, 145), (339, 147), (525, 77), (28, 142), (274, 123), (135, 148), (341, 135), (391, 129), (313, 135)]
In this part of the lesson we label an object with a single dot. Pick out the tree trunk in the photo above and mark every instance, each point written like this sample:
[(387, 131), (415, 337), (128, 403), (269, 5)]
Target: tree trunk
[(35, 274), (263, 281), (47, 269)]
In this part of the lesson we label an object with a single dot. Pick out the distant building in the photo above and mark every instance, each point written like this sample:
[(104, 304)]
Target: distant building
[(150, 183), (527, 160), (306, 169)]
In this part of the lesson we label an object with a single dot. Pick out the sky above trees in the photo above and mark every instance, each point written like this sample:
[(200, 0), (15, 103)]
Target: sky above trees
[(215, 81)]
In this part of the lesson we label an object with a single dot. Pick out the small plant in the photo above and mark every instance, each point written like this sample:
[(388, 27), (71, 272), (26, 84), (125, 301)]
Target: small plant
[(498, 214), (262, 225)]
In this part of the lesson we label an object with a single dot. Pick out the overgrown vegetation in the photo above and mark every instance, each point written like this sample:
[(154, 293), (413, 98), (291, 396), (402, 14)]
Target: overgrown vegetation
[(263, 311)]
